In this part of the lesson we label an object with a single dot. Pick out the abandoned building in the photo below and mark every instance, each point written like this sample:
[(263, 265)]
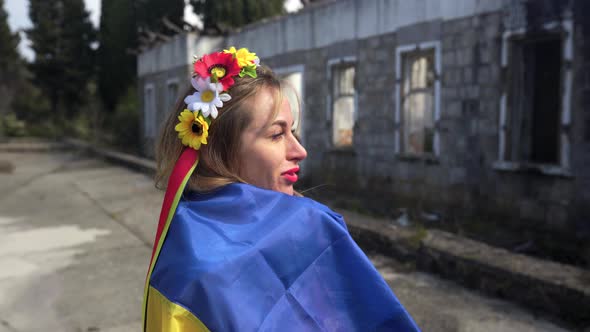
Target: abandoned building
[(471, 111)]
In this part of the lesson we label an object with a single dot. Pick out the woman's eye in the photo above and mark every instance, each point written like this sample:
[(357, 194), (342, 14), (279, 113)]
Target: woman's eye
[(277, 136)]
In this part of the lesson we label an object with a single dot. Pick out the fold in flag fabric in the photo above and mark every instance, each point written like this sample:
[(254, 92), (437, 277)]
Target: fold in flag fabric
[(243, 258)]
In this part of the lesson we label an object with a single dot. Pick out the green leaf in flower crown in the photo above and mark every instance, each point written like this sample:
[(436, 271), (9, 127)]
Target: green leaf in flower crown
[(249, 70), (207, 118)]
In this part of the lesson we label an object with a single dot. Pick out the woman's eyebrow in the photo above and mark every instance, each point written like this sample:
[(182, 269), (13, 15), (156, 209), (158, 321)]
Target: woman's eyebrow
[(281, 123)]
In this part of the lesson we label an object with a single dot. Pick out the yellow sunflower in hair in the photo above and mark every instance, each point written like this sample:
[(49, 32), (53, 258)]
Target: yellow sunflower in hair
[(193, 129)]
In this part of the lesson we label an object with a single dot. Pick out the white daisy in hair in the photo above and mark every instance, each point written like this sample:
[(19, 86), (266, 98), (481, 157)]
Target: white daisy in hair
[(207, 98)]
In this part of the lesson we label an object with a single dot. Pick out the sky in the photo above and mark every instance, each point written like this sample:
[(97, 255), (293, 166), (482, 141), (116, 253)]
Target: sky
[(18, 17)]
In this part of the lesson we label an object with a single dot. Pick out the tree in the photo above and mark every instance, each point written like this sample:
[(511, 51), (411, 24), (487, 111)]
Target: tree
[(120, 22), (9, 60), (21, 104), (8, 47), (219, 16), (116, 64), (151, 14), (62, 39)]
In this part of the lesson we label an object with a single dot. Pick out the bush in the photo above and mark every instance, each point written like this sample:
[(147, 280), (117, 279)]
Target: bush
[(124, 123), (11, 126), (32, 108), (30, 103)]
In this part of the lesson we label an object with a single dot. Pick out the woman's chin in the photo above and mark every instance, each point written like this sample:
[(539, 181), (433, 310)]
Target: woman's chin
[(286, 189)]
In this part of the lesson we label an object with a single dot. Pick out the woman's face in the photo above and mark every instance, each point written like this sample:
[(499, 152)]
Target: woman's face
[(269, 155)]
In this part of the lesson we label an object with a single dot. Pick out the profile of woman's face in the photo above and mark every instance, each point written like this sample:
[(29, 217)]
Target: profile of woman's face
[(269, 154)]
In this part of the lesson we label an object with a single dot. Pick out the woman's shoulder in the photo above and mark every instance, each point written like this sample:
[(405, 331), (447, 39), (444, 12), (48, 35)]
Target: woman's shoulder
[(322, 209), (246, 199)]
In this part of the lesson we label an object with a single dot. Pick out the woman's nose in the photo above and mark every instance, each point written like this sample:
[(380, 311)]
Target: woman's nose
[(296, 150)]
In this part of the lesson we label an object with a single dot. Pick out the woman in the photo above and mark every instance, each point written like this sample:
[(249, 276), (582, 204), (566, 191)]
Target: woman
[(237, 249)]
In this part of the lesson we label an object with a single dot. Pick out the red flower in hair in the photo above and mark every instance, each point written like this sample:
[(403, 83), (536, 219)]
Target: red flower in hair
[(221, 67)]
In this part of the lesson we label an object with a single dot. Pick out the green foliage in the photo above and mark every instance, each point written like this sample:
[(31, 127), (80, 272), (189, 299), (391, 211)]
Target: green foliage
[(62, 38), (116, 64), (11, 65), (80, 127), (11, 126), (8, 47), (31, 107), (30, 104), (151, 12), (45, 128), (120, 20), (222, 15), (124, 124), (419, 234)]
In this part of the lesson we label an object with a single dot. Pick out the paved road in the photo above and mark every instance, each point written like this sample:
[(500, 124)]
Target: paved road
[(75, 238)]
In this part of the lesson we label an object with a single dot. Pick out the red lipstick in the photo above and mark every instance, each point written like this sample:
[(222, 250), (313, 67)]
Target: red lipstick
[(291, 175)]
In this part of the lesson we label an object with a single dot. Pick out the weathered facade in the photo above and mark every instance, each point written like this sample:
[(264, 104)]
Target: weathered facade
[(473, 110)]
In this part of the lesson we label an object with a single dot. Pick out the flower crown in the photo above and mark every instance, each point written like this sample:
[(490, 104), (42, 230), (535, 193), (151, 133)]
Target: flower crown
[(213, 75)]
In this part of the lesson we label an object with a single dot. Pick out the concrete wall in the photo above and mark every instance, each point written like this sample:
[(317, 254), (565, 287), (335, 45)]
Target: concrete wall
[(461, 183), (177, 52), (343, 20), (372, 163), (158, 80)]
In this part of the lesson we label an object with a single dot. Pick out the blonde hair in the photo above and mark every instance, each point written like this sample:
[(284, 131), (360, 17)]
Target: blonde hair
[(218, 163)]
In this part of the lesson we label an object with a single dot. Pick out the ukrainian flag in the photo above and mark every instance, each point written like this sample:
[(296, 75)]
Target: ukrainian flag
[(249, 259)]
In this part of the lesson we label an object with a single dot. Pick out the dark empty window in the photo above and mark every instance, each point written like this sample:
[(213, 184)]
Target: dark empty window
[(534, 100)]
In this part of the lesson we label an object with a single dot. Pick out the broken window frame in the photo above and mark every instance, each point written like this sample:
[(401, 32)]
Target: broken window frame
[(149, 109), (562, 168), (402, 52), (333, 65)]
